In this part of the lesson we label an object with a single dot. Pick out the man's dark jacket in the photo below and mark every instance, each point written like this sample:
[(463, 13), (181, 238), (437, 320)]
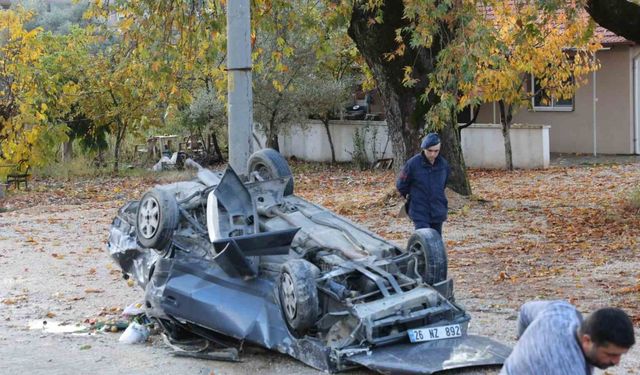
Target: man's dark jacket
[(425, 183)]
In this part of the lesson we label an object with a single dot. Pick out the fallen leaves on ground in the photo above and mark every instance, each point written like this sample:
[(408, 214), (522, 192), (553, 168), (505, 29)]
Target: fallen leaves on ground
[(530, 234)]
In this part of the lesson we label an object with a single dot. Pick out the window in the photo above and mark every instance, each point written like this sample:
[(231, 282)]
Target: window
[(542, 101)]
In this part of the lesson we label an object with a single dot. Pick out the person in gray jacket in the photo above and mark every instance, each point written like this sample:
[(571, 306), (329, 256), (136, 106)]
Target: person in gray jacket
[(554, 340)]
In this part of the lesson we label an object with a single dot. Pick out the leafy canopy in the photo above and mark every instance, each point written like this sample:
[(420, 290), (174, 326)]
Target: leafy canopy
[(29, 96)]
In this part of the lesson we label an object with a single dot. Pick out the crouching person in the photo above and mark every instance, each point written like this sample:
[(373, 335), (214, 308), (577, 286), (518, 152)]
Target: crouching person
[(554, 340)]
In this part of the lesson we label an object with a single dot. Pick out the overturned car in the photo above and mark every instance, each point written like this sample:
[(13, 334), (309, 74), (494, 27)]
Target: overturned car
[(237, 261)]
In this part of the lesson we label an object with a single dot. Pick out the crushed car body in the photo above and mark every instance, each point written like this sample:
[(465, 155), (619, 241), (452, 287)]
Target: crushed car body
[(237, 261)]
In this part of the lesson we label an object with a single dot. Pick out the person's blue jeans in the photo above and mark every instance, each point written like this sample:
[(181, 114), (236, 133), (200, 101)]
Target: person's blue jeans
[(436, 226)]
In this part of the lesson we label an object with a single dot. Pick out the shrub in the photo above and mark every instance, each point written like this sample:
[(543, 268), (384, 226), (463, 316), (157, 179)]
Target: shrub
[(633, 202), (359, 155)]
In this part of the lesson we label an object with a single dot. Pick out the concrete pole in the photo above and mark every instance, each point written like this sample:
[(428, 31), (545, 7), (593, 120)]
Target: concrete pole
[(240, 98)]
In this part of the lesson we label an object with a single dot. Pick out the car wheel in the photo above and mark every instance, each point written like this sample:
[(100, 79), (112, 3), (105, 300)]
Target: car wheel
[(432, 256), (270, 164), (156, 220), (299, 295)]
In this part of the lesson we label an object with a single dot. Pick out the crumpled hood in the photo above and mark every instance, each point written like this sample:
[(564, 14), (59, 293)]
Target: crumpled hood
[(433, 356)]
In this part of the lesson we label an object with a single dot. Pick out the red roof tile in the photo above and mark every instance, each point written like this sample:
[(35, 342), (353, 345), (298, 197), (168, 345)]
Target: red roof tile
[(609, 37)]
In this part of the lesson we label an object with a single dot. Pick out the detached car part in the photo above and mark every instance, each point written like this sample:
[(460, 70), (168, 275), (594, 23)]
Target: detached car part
[(248, 261)]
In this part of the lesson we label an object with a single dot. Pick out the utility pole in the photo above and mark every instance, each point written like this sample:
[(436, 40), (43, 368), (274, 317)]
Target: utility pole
[(240, 97)]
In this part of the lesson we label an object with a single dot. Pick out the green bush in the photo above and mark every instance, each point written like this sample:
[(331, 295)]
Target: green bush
[(359, 155)]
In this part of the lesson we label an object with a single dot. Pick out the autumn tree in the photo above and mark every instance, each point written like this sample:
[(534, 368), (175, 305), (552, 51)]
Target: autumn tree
[(427, 58), (331, 84), (205, 120), (179, 36), (302, 65), (400, 41), (62, 24), (53, 79), (148, 58), (278, 81), (155, 55), (30, 99), (535, 51)]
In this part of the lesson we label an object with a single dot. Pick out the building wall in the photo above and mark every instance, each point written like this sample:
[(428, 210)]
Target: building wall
[(573, 131), (310, 141)]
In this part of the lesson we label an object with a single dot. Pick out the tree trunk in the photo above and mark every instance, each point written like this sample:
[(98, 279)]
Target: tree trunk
[(121, 130), (272, 137), (620, 16), (505, 120), (452, 151), (116, 154), (99, 160), (67, 151), (325, 122), (216, 147), (404, 111)]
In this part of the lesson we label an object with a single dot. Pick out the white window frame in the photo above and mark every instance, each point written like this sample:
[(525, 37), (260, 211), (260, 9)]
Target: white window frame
[(552, 106)]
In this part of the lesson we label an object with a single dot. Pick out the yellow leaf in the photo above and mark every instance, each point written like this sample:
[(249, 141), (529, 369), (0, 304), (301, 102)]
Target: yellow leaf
[(277, 85), (126, 23)]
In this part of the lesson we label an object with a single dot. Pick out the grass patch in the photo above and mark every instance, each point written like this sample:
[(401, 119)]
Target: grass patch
[(310, 167), (633, 201), (81, 168), (78, 167)]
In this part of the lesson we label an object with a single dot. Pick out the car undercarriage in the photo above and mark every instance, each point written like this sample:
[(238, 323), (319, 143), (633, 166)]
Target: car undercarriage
[(238, 260)]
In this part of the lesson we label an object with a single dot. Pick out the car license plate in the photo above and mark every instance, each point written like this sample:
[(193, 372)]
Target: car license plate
[(435, 333)]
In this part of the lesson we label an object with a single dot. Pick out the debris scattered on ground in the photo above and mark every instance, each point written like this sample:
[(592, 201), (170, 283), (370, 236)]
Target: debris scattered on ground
[(135, 333), (133, 309), (57, 327)]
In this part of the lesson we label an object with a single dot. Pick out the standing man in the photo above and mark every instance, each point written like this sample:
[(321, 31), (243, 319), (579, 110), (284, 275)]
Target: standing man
[(422, 182), (554, 340)]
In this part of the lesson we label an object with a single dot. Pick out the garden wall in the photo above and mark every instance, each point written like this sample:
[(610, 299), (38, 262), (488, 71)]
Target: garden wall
[(482, 144)]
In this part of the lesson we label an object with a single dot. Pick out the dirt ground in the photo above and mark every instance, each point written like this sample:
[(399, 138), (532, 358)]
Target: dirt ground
[(562, 233)]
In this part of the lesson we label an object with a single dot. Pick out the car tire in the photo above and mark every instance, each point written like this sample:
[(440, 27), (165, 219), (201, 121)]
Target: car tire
[(156, 220), (299, 295), (432, 255), (270, 164)]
